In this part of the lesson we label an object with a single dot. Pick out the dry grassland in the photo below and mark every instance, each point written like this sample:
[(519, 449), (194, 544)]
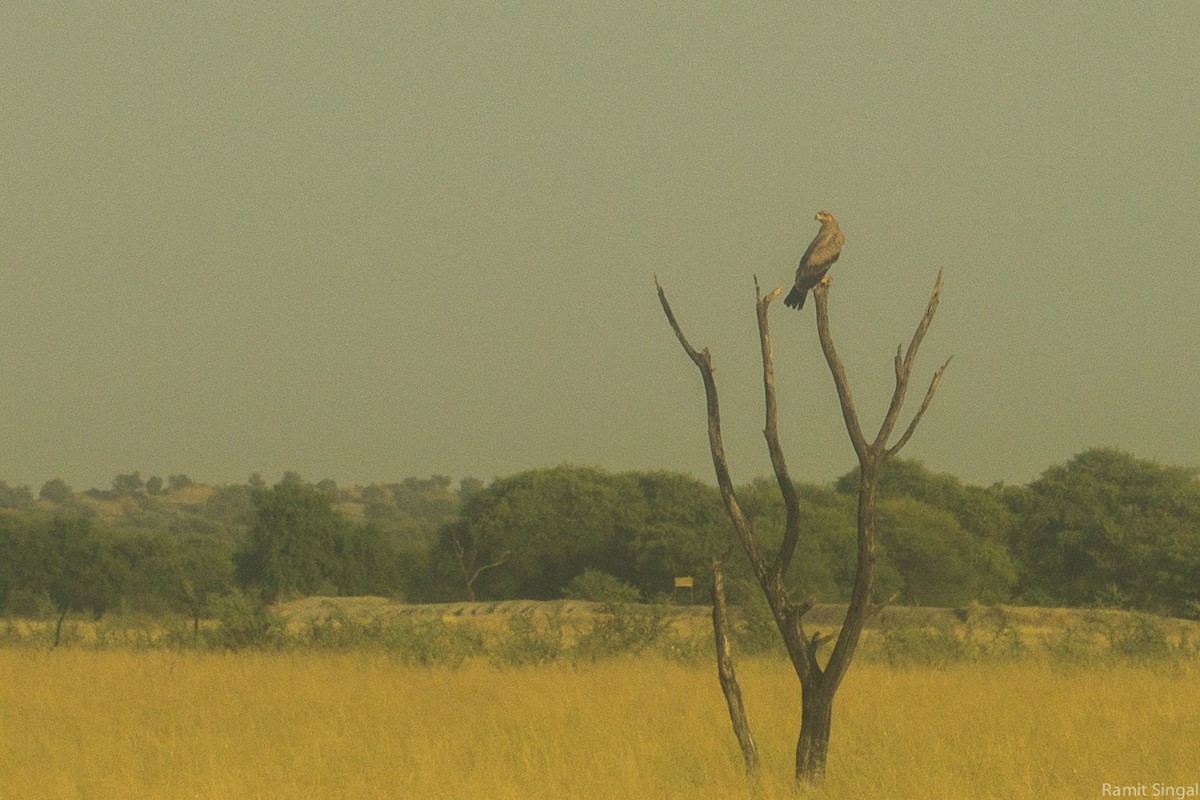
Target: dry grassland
[(79, 723)]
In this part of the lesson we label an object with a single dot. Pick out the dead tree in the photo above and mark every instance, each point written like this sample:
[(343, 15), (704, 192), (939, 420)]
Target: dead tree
[(467, 559), (818, 683)]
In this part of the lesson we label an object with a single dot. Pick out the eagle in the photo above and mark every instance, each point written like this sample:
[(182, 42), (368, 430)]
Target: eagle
[(817, 259)]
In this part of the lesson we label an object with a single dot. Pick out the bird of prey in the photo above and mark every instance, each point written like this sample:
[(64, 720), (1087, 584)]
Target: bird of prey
[(817, 260)]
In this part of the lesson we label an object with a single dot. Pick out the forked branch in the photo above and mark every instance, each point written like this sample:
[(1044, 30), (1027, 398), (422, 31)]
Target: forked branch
[(703, 361), (467, 563), (871, 458), (912, 425), (904, 372), (770, 578), (878, 450)]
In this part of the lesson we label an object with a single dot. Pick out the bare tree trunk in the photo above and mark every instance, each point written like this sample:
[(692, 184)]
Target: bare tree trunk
[(819, 684), (726, 674), (58, 626), (816, 719)]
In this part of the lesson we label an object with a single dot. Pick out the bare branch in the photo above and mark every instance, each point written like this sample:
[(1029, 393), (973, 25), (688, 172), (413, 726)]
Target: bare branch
[(769, 579), (758, 294), (821, 294), (912, 426), (800, 609), (703, 362), (687, 347), (925, 322), (726, 674), (466, 563), (791, 500), (503, 557), (904, 369), (875, 608)]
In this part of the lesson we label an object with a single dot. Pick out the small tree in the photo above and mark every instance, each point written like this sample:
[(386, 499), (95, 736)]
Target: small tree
[(202, 570), (128, 484), (299, 544), (1107, 527), (56, 490), (291, 544), (819, 683), (14, 496), (177, 482), (76, 569)]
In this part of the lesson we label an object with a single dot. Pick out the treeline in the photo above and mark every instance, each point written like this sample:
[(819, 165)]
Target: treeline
[(1104, 529)]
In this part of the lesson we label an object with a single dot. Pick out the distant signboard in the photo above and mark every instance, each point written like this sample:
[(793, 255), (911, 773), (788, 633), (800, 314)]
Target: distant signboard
[(684, 582)]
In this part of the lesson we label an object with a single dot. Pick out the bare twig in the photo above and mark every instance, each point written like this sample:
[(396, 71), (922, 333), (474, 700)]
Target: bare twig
[(904, 370), (912, 425)]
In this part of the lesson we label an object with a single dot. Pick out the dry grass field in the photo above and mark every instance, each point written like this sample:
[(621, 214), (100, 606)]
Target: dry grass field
[(82, 723)]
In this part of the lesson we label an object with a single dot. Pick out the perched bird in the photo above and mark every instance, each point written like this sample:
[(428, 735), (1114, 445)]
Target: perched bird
[(817, 259)]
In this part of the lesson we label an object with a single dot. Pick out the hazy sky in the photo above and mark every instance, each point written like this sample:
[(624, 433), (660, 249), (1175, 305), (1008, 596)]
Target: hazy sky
[(374, 240)]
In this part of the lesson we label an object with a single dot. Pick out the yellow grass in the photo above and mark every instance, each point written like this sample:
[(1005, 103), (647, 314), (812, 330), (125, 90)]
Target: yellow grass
[(78, 723)]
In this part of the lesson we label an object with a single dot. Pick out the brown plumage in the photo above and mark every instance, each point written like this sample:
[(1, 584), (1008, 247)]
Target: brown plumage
[(817, 259)]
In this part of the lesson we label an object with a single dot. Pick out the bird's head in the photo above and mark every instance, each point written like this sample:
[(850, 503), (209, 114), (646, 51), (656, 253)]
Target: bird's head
[(823, 217)]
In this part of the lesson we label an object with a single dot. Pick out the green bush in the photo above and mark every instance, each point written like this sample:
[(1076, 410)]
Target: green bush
[(131, 632), (623, 628), (426, 642), (337, 631), (756, 632), (993, 633), (687, 649), (244, 622), (1138, 637), (600, 587), (525, 645), (906, 645), (432, 642)]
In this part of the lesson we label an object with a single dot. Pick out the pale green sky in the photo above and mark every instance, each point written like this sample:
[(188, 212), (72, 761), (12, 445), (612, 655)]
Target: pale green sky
[(376, 240)]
